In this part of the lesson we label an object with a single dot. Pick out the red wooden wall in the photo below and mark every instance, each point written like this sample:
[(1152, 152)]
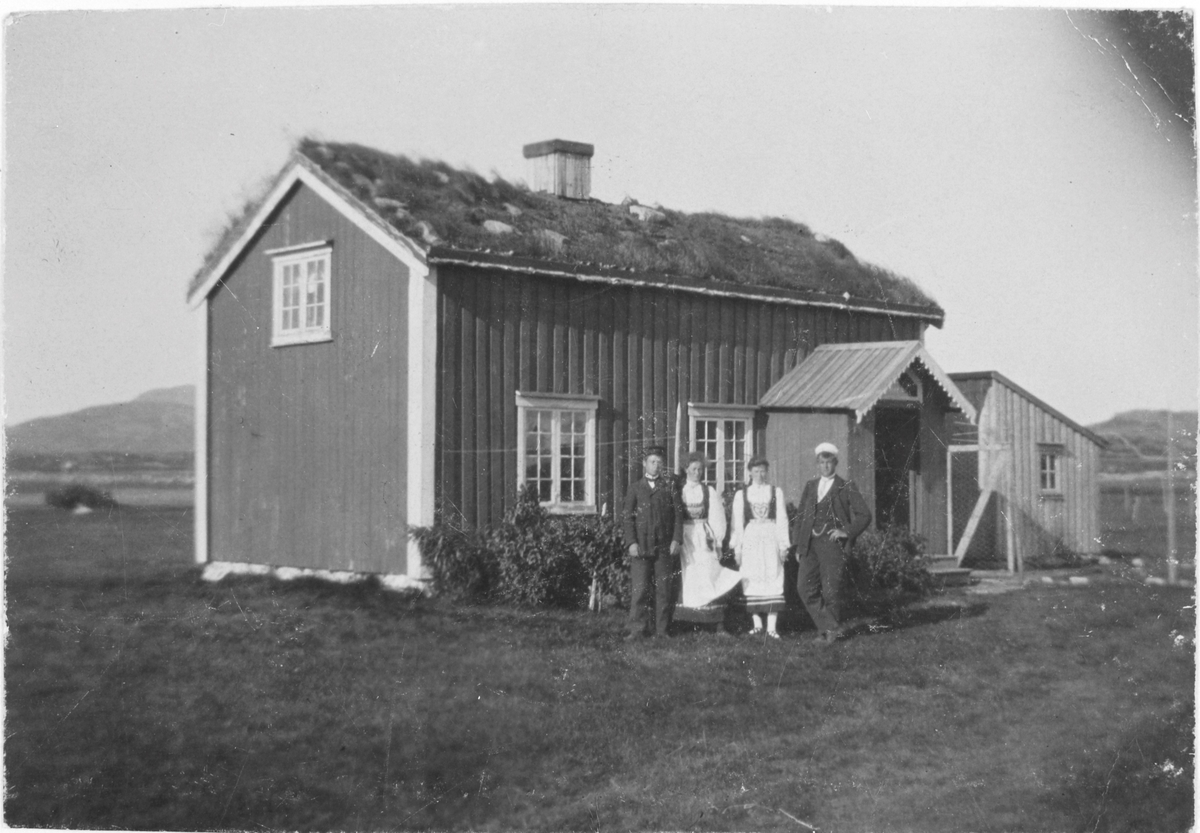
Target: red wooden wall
[(640, 349), (307, 443)]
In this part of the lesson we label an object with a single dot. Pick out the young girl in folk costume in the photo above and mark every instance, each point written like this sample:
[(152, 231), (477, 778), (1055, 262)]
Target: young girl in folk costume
[(760, 543), (705, 581)]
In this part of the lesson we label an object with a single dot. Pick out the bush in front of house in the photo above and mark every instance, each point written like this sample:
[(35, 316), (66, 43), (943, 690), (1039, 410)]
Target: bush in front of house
[(535, 568), (600, 547), (890, 559), (458, 561), (76, 495), (530, 559)]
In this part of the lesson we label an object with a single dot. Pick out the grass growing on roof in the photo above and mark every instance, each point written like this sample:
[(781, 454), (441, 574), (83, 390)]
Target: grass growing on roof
[(772, 251), (139, 697), (423, 197)]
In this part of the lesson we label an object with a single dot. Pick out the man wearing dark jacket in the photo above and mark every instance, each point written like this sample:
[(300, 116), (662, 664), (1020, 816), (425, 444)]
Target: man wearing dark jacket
[(832, 514), (653, 527)]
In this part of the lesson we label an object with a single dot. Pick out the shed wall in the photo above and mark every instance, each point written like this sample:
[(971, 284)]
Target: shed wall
[(642, 350), (307, 443), (1010, 423)]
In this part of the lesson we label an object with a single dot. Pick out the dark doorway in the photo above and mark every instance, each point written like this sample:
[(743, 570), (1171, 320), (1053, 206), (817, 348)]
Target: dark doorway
[(897, 452), (984, 547)]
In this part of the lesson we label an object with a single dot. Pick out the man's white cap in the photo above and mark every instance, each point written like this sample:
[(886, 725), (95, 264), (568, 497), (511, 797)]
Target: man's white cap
[(827, 448)]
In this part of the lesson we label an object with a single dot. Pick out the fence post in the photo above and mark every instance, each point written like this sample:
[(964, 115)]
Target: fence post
[(1172, 562)]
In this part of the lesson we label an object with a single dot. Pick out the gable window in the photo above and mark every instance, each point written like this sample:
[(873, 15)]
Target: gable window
[(556, 449), (1049, 470), (300, 307), (723, 434)]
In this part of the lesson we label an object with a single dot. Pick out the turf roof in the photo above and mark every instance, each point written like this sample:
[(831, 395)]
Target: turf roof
[(437, 205)]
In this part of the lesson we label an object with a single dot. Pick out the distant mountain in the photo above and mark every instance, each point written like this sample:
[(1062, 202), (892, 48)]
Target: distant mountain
[(157, 422), (179, 395), (1137, 440)]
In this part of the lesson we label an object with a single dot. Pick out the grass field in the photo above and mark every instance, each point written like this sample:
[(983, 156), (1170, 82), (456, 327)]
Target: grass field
[(141, 697), (1134, 522)]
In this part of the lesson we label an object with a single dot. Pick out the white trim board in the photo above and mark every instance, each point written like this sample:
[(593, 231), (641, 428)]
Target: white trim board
[(421, 407), (200, 491)]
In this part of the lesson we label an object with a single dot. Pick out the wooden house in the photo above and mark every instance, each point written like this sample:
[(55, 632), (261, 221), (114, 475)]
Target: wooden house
[(388, 342), (1024, 478)]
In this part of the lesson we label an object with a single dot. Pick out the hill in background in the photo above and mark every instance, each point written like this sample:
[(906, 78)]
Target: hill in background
[(159, 423), (157, 429), (1137, 440)]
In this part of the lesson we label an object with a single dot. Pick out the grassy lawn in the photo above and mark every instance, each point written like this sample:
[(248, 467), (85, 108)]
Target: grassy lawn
[(140, 697)]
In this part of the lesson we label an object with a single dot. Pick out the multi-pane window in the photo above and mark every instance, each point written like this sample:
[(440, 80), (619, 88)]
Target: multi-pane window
[(724, 438), (556, 449), (301, 308), (1048, 468)]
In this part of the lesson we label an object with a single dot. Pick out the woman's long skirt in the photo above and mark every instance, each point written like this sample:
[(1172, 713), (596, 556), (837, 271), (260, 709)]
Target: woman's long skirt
[(705, 582), (762, 568)]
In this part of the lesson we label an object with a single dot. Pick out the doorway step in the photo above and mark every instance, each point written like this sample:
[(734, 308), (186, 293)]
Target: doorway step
[(946, 571)]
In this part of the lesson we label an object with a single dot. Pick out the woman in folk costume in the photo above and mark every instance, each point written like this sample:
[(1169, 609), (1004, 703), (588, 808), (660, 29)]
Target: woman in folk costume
[(705, 581), (760, 544)]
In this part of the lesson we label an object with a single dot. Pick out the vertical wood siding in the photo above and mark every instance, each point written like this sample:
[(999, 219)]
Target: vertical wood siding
[(791, 437), (1010, 420), (934, 438), (642, 350), (308, 442)]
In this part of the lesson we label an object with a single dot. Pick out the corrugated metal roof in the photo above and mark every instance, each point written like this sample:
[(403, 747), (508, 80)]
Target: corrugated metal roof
[(854, 376)]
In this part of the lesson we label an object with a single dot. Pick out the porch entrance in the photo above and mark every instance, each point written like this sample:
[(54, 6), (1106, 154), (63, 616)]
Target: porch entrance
[(897, 466)]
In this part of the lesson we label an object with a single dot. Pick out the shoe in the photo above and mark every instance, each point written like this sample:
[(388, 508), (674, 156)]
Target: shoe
[(772, 634), (755, 631), (634, 636)]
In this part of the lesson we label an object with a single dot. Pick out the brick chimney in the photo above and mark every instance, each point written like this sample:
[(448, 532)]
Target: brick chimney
[(561, 168)]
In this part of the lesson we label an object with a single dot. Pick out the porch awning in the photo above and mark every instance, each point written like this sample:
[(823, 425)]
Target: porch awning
[(855, 376)]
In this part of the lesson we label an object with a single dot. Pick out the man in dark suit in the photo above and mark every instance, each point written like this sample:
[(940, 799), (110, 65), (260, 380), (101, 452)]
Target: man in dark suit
[(653, 526), (832, 514)]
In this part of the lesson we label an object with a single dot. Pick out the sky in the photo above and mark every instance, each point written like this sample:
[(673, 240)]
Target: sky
[(1017, 164)]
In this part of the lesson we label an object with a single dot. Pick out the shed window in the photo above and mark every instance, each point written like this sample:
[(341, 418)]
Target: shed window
[(723, 435), (556, 447), (1049, 469), (301, 296)]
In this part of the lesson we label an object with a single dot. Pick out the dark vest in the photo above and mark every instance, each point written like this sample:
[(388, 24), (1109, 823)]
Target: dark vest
[(748, 513), (824, 518), (703, 516)]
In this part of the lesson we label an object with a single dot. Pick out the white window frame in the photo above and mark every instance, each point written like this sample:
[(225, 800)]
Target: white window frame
[(557, 405), (698, 411), (301, 255), (1053, 454)]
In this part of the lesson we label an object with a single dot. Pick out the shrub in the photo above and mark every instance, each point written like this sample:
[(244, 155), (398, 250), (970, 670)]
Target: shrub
[(598, 544), (890, 559), (534, 568), (457, 561), (76, 495), (529, 559)]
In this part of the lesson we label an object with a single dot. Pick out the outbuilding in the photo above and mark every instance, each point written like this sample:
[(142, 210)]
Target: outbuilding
[(1024, 478), (389, 342)]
